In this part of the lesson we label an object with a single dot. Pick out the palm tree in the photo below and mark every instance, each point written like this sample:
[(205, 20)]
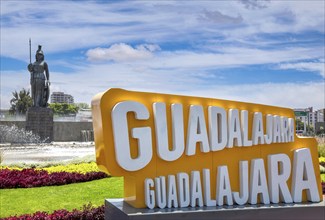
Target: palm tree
[(20, 102)]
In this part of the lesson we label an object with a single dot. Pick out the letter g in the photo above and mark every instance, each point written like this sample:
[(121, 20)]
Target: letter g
[(121, 136)]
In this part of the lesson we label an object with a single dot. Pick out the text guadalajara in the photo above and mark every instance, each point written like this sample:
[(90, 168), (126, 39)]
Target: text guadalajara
[(221, 131)]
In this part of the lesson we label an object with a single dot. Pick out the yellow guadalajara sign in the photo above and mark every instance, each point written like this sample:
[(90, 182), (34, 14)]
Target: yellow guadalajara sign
[(180, 151)]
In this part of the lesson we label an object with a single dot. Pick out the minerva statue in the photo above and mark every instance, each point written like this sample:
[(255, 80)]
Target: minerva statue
[(39, 79)]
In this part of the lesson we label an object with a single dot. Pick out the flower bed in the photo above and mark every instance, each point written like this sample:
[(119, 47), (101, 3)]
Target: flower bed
[(321, 159), (87, 213), (59, 175), (28, 178), (71, 168)]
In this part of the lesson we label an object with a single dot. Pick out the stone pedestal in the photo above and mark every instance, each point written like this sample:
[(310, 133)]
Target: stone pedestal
[(118, 209), (40, 121)]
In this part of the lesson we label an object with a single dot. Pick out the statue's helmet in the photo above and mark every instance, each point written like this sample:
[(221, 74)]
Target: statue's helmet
[(39, 52)]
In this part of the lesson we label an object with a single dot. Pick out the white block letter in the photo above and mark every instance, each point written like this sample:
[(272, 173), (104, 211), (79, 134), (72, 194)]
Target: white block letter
[(223, 186), (207, 189), (284, 129), (303, 176), (217, 128), (269, 129), (183, 184), (276, 129), (196, 189), (172, 192), (258, 133), (234, 130), (258, 184), (121, 136), (292, 129), (244, 128), (242, 198), (160, 183), (159, 109), (149, 194), (197, 131), (279, 169)]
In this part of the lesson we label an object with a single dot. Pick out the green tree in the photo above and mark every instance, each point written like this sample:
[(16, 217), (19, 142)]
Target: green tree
[(20, 102), (299, 125), (321, 130), (63, 108)]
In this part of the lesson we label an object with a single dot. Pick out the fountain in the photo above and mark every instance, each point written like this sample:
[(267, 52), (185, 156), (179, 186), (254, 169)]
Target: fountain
[(87, 135), (21, 147), (15, 135)]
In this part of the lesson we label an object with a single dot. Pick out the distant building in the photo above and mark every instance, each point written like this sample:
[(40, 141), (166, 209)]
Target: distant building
[(316, 116), (60, 97), (314, 119)]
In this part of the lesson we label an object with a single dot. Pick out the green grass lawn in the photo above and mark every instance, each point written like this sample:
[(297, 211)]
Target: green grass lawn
[(26, 201)]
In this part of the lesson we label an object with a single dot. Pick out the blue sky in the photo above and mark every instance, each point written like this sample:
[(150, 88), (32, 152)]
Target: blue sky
[(268, 52)]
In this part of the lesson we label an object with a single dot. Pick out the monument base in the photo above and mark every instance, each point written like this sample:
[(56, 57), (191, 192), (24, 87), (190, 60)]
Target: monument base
[(118, 209), (40, 121)]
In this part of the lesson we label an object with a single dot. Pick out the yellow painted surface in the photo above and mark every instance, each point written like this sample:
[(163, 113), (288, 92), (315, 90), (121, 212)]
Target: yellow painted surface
[(103, 103)]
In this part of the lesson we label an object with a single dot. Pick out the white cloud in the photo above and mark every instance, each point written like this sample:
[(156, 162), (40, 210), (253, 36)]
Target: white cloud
[(122, 52), (12, 81), (217, 17), (290, 95), (65, 25), (231, 56), (228, 34), (255, 4), (174, 81), (193, 61), (318, 67)]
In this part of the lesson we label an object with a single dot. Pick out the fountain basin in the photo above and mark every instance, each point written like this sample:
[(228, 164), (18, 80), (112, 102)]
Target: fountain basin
[(45, 152)]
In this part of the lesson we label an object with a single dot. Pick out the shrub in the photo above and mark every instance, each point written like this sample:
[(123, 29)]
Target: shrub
[(44, 164), (321, 146), (28, 178), (2, 155), (87, 213), (321, 150), (322, 169), (321, 159), (71, 168)]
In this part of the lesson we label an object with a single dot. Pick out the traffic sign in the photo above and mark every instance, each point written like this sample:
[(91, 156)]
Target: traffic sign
[(300, 113)]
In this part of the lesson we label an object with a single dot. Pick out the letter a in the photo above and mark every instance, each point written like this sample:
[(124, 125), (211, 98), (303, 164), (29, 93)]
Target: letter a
[(303, 176)]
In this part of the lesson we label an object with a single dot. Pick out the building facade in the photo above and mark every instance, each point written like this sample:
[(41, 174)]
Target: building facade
[(310, 118), (316, 116), (61, 97)]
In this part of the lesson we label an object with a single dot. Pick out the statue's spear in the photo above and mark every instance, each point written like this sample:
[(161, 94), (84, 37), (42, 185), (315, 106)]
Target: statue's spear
[(30, 50)]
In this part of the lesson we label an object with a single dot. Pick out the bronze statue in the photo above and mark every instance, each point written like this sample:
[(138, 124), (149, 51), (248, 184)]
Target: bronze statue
[(39, 79)]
